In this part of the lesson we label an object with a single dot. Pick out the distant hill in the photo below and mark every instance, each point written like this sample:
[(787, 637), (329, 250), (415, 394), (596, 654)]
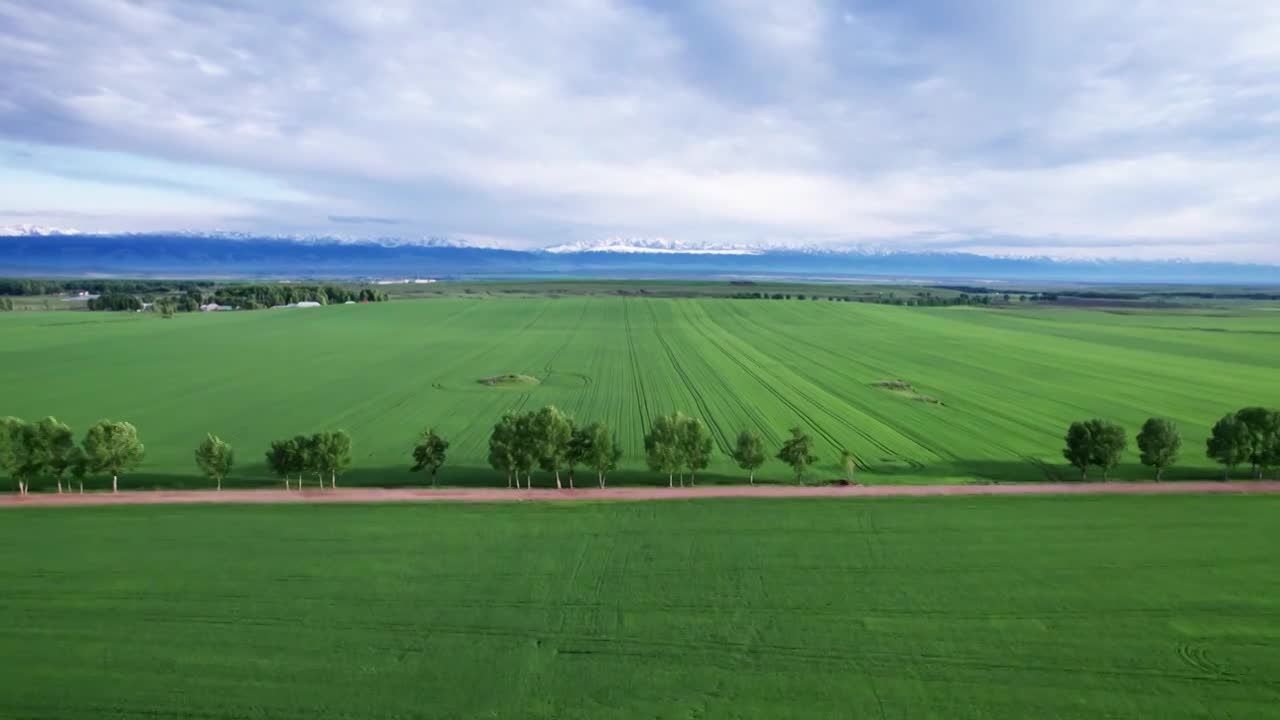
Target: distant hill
[(50, 253)]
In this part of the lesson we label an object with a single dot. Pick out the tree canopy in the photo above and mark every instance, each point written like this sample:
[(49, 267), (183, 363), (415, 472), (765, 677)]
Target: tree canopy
[(1159, 444), (662, 446), (748, 453), (797, 452), (113, 447), (214, 456), (1229, 443), (429, 454)]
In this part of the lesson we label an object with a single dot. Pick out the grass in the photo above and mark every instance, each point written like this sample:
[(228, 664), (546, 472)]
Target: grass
[(1008, 381), (1080, 607)]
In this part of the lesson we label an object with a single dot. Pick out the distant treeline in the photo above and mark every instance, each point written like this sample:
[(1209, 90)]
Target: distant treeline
[(924, 299), (250, 297), (22, 286), (1120, 294), (188, 295)]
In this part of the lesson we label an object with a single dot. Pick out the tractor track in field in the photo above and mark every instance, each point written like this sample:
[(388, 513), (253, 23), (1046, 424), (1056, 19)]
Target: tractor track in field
[(840, 420), (721, 439), (781, 397), (492, 495), (642, 403)]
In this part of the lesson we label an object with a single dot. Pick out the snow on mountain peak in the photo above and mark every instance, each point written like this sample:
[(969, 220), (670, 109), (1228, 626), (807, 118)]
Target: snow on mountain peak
[(26, 230), (637, 246)]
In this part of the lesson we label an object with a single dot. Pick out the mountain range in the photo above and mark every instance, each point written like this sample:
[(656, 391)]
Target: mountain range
[(35, 251)]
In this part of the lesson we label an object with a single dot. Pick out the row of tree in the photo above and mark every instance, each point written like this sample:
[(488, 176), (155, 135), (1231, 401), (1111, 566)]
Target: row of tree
[(320, 454), (36, 286), (47, 450), (550, 440), (675, 444), (1250, 435), (924, 299), (250, 297)]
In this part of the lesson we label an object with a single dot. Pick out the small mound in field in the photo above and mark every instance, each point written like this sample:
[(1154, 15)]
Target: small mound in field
[(907, 390), (509, 379)]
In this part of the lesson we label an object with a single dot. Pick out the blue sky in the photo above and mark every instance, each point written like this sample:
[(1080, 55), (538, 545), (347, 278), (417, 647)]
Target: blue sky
[(1076, 129)]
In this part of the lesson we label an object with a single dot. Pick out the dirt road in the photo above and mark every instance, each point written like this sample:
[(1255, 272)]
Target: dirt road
[(388, 495)]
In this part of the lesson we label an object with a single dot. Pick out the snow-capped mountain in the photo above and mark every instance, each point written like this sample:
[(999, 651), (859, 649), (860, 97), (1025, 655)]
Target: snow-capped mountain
[(635, 246), (25, 230)]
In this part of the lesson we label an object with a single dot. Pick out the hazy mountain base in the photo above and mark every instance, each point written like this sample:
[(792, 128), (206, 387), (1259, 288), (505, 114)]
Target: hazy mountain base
[(177, 255)]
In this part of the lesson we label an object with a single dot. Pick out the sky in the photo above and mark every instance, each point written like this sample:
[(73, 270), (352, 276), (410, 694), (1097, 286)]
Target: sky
[(1073, 128)]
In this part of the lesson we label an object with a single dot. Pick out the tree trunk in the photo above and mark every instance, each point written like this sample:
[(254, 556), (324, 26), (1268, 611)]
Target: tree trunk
[(751, 477), (81, 487), (1159, 473), (558, 485), (333, 480), (115, 487), (219, 484), (571, 479), (600, 477), (693, 476), (670, 482), (681, 478), (59, 486), (1084, 474)]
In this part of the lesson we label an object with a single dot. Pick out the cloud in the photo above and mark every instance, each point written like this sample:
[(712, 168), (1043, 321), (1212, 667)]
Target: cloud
[(363, 220), (1143, 129)]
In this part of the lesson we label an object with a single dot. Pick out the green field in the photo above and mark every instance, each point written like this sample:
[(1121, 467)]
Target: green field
[(1008, 381), (1081, 607)]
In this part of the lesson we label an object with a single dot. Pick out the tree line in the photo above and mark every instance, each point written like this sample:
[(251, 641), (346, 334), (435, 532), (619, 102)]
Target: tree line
[(925, 298), (47, 450), (1249, 435), (252, 297), (36, 286), (547, 439)]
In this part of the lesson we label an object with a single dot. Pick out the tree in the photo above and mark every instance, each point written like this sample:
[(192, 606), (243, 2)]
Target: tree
[(49, 448), (749, 453), (214, 456), (579, 447), (662, 447), (798, 452), (79, 467), (1079, 449), (1159, 444), (429, 453), (1228, 443), (524, 448), (502, 442), (551, 432), (113, 448), (301, 456), (849, 462), (331, 454), (1109, 443), (13, 451), (598, 449), (695, 446), (1263, 425), (280, 461)]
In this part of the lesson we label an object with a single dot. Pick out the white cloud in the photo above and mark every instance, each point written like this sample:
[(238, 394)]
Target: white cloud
[(1072, 127)]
